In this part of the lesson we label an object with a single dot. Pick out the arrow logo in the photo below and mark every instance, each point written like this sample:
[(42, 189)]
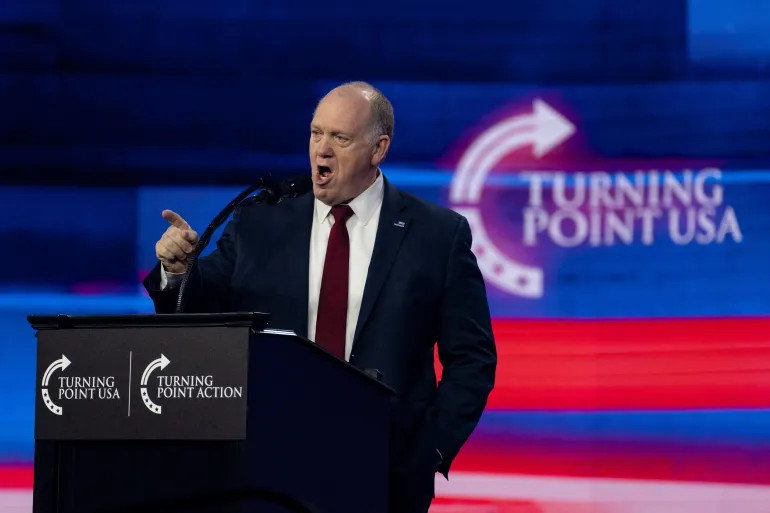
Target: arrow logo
[(62, 363), (543, 129), (161, 363)]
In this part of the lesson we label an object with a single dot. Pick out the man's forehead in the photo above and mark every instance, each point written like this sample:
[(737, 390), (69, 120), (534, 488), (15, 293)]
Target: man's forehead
[(347, 96), (342, 107)]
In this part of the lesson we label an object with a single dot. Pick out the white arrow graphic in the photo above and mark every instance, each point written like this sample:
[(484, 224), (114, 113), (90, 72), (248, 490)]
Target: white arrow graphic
[(62, 363), (161, 363), (543, 129)]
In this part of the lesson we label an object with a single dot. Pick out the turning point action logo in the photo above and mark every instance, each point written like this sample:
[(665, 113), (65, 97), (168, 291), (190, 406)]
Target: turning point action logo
[(593, 208), (161, 363), (182, 387)]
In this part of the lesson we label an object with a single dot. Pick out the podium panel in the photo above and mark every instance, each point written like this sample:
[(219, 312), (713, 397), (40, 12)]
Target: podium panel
[(206, 413), (170, 383)]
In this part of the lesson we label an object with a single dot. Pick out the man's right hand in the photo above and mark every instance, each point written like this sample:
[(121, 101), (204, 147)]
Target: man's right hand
[(177, 243)]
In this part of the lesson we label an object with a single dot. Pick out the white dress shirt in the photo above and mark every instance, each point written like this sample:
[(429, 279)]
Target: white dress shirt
[(362, 231)]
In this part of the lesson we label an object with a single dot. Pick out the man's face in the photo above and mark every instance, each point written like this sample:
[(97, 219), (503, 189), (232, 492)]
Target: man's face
[(343, 157)]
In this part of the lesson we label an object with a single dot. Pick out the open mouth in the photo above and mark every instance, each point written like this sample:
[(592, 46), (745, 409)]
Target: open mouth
[(324, 174)]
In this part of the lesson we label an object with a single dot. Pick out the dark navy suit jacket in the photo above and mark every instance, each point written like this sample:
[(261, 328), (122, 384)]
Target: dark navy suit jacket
[(423, 286)]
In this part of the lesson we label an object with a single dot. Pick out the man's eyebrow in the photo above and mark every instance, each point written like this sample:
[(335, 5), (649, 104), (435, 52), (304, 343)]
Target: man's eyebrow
[(314, 126)]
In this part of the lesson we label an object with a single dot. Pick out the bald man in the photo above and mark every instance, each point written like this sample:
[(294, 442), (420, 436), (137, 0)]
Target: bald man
[(383, 277)]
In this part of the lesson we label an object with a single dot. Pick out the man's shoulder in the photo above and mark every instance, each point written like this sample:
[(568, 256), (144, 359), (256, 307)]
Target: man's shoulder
[(433, 213)]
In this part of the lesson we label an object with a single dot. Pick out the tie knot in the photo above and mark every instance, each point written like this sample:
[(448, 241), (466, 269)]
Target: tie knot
[(341, 213)]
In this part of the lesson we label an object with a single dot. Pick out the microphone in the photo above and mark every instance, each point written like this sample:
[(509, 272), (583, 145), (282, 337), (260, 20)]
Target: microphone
[(272, 193)]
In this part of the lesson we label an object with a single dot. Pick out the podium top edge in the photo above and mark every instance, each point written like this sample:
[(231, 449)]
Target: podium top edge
[(256, 320)]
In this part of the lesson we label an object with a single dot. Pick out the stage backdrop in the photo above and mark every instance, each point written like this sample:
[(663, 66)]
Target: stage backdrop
[(612, 160)]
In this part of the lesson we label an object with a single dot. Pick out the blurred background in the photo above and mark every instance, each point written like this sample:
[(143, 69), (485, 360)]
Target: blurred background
[(613, 158)]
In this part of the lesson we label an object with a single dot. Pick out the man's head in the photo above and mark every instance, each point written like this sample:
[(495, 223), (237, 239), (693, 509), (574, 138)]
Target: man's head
[(349, 137)]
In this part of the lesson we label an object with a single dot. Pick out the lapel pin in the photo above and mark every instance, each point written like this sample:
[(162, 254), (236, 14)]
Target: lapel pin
[(400, 224)]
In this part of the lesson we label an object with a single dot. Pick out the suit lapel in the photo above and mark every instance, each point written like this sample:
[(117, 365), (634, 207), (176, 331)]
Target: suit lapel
[(393, 225), (298, 255)]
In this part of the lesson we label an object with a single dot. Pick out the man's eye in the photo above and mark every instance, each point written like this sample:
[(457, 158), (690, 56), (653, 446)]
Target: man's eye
[(343, 138)]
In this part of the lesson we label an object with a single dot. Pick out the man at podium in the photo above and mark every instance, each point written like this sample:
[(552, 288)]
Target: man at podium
[(374, 275)]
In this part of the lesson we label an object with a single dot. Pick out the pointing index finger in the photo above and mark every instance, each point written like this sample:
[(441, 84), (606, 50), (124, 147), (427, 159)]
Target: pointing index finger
[(175, 219)]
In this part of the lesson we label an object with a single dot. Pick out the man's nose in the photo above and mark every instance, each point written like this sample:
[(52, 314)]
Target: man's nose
[(324, 148)]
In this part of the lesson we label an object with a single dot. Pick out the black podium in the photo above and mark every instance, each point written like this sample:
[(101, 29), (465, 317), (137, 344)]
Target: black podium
[(202, 413)]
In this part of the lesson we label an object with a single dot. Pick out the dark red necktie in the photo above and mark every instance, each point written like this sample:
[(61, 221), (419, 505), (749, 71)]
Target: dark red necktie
[(333, 301)]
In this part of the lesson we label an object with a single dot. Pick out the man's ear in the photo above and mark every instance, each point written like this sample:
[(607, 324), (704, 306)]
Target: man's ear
[(380, 150)]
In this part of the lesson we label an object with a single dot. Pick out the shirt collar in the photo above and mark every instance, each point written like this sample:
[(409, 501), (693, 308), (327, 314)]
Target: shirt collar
[(364, 205)]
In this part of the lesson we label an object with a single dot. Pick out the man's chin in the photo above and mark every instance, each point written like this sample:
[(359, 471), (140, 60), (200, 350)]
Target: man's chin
[(323, 194)]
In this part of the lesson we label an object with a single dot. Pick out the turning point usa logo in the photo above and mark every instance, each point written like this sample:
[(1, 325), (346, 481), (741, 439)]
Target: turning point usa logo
[(595, 207), (74, 388)]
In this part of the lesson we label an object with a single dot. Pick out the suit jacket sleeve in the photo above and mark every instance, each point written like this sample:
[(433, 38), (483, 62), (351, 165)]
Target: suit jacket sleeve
[(208, 287), (466, 350)]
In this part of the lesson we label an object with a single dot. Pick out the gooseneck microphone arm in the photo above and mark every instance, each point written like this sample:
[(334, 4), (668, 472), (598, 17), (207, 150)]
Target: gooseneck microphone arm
[(271, 193)]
